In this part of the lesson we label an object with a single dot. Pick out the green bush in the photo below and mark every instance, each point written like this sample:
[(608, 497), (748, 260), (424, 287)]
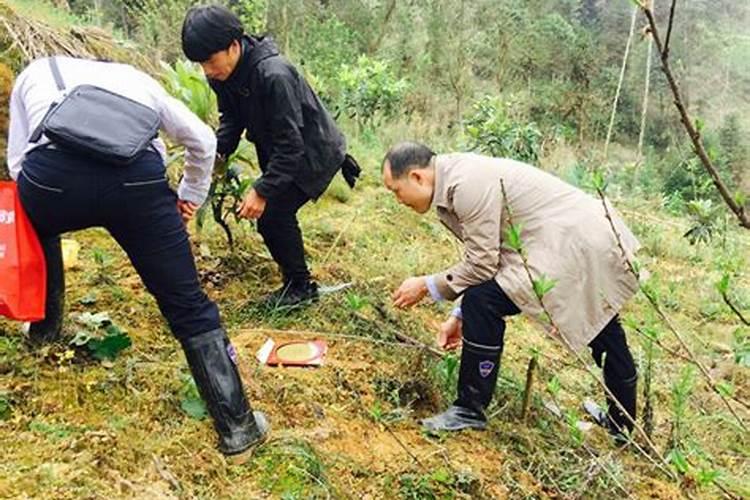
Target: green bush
[(321, 49), (490, 130), (370, 90)]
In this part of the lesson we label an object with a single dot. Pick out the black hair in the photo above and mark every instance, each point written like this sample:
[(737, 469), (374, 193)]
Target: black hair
[(406, 156), (208, 29)]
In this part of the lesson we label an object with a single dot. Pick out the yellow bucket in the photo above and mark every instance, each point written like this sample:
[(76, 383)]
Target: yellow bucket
[(70, 250)]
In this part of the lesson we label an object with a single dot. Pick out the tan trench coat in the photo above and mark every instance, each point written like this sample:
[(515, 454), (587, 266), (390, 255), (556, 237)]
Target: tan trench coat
[(564, 231)]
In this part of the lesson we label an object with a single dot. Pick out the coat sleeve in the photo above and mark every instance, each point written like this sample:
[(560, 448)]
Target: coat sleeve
[(230, 127), (185, 128), (18, 130), (287, 145), (478, 206)]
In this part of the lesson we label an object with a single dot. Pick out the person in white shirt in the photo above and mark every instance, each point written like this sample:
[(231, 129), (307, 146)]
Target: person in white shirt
[(64, 190)]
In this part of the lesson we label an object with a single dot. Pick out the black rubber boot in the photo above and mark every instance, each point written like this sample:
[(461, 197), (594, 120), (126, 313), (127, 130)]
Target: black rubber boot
[(626, 393), (477, 378), (50, 328), (293, 293), (614, 420), (212, 361)]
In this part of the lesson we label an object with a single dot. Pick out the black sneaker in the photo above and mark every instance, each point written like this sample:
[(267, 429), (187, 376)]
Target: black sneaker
[(292, 294)]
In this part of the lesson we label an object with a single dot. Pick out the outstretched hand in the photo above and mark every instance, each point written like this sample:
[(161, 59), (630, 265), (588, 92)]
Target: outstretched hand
[(411, 291)]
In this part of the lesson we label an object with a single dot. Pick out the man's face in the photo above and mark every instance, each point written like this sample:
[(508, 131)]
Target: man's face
[(413, 189), (221, 64)]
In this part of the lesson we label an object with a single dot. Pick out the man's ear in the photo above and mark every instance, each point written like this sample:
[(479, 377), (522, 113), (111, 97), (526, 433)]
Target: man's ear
[(416, 175), (235, 46)]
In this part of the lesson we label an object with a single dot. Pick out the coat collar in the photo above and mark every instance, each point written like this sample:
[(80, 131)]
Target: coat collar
[(439, 193), (254, 50)]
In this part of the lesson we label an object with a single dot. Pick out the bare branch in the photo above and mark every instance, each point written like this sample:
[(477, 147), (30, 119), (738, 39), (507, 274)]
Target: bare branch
[(669, 28), (734, 308), (693, 132)]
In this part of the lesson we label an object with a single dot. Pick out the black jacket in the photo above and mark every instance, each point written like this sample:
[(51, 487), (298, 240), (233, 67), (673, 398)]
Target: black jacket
[(296, 139)]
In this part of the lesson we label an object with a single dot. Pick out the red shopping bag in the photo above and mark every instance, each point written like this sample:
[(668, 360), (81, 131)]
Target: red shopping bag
[(23, 273)]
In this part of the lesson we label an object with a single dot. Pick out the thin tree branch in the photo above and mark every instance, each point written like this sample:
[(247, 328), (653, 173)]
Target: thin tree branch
[(734, 308), (669, 28), (692, 131)]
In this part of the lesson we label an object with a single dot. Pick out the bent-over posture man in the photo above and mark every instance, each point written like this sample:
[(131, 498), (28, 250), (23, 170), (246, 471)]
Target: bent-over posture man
[(64, 189), (299, 147), (566, 237)]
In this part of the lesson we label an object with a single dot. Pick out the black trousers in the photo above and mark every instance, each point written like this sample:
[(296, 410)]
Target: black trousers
[(63, 191), (485, 306), (281, 233)]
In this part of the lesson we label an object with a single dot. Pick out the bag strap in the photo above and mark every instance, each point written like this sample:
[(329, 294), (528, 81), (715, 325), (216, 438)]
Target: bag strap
[(39, 130), (56, 73)]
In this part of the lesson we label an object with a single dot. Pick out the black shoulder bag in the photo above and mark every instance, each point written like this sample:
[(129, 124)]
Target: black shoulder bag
[(99, 123)]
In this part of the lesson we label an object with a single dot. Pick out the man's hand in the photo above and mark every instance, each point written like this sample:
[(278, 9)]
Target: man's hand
[(411, 291), (450, 334), (187, 210), (252, 206)]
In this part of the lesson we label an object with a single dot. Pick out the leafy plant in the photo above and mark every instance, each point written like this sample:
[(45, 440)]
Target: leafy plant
[(441, 483), (323, 47), (227, 191), (103, 262), (370, 90), (704, 215), (185, 81), (513, 237), (491, 131), (190, 399), (543, 285), (252, 13), (446, 372), (6, 408), (681, 391), (355, 301), (103, 339)]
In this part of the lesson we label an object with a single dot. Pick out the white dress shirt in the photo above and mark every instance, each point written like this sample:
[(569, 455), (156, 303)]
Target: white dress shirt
[(35, 90)]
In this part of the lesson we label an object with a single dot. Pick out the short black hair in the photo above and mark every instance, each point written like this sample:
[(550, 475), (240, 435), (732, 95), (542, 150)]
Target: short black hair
[(208, 29), (406, 156)]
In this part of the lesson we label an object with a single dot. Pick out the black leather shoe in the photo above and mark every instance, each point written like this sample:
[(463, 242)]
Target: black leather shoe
[(211, 358), (293, 293)]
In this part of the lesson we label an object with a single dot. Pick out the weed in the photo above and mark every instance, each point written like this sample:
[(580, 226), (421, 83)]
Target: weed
[(292, 469), (190, 399)]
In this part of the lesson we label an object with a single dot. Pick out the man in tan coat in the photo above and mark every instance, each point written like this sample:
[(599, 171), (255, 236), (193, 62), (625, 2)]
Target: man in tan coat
[(568, 242)]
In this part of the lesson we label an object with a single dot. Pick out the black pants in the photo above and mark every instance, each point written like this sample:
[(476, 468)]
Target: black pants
[(63, 192), (485, 306), (281, 233)]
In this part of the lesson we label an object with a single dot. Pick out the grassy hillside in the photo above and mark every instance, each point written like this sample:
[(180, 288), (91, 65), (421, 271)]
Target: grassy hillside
[(73, 426)]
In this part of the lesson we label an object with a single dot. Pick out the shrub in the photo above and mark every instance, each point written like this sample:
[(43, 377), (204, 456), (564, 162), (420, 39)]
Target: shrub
[(370, 90), (492, 131)]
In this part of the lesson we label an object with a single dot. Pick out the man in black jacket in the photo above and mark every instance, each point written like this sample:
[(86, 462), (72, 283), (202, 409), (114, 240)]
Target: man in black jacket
[(298, 145)]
